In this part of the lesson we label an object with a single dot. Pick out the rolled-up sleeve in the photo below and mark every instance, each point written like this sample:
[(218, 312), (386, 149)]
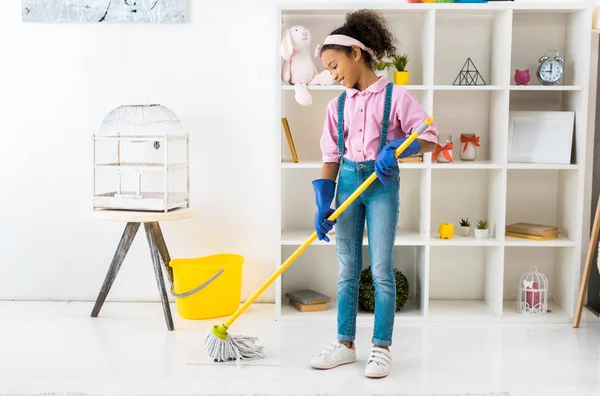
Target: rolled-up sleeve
[(329, 139), (411, 114)]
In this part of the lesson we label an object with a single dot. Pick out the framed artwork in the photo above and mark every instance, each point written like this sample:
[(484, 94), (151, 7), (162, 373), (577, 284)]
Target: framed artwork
[(151, 11), (541, 137)]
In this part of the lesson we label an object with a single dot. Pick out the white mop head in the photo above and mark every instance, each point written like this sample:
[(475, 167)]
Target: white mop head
[(219, 349)]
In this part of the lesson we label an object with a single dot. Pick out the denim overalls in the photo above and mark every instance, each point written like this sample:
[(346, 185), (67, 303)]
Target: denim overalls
[(379, 205)]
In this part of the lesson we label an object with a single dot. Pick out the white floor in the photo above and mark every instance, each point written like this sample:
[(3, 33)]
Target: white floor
[(48, 347)]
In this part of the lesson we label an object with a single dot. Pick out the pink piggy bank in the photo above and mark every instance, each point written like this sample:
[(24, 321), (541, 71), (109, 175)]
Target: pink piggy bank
[(522, 77)]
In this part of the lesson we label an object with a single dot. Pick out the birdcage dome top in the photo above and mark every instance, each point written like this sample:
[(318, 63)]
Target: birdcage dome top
[(141, 120), (534, 279)]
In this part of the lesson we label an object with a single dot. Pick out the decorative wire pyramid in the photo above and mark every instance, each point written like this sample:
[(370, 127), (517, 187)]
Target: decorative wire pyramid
[(468, 75)]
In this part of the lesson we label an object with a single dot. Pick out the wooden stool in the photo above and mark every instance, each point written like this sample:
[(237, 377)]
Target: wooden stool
[(156, 242)]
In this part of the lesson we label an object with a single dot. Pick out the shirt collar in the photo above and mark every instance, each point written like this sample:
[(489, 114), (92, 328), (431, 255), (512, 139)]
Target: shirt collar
[(377, 86)]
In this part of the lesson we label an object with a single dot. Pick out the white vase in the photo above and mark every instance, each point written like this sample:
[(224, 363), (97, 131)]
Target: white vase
[(481, 234), (465, 231), (381, 73)]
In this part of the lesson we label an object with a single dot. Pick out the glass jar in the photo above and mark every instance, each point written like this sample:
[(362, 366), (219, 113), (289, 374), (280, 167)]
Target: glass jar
[(468, 144), (443, 150)]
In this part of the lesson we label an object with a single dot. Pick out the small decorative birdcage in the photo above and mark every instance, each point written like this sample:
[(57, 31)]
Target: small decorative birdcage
[(533, 293), (141, 160)]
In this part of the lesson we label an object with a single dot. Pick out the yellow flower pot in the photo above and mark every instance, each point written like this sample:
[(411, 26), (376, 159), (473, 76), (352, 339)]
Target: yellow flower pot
[(401, 78)]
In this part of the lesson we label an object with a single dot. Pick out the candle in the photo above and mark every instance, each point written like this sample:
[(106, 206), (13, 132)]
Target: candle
[(533, 296)]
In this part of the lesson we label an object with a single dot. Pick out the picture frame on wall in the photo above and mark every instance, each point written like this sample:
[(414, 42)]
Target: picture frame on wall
[(540, 137), (108, 11)]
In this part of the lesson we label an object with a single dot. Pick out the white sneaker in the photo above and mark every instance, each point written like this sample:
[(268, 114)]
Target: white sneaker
[(379, 362), (333, 356)]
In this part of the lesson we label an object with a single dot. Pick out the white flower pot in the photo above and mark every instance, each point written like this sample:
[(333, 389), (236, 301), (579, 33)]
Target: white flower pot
[(381, 73), (465, 231), (481, 234)]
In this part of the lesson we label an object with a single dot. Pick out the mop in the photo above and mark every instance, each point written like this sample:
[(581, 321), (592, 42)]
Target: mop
[(221, 346)]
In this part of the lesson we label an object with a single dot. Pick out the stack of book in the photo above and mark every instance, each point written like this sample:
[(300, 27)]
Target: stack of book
[(308, 300), (533, 231), (410, 159)]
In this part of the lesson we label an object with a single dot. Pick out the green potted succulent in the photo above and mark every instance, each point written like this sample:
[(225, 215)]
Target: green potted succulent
[(381, 67), (465, 227), (482, 231), (366, 290), (401, 74)]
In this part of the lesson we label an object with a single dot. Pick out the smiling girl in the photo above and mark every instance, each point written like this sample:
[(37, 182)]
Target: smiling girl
[(363, 128)]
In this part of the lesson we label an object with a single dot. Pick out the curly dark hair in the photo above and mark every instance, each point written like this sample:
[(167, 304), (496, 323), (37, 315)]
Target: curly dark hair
[(370, 28)]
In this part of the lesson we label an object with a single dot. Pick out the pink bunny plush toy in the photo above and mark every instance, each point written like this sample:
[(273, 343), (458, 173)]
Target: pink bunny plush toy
[(298, 68)]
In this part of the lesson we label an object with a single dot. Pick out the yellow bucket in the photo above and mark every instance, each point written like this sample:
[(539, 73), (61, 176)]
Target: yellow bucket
[(207, 287)]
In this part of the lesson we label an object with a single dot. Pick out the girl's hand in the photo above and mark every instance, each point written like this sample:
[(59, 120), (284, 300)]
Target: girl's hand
[(386, 159), (324, 192)]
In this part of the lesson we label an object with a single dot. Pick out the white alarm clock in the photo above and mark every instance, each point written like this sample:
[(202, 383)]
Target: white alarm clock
[(550, 70)]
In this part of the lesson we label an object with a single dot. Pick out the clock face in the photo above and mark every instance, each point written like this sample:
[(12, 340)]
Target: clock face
[(550, 72)]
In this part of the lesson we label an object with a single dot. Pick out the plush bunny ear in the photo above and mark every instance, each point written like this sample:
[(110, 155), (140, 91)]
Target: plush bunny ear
[(287, 47)]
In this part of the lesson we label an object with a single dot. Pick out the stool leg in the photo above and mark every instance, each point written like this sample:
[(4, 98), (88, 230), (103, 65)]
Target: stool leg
[(159, 274), (162, 248), (129, 233)]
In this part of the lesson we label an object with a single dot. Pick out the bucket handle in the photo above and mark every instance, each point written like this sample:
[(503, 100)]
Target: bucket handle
[(202, 286)]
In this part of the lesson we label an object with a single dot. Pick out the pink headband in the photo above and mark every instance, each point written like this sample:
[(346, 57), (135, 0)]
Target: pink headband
[(341, 39)]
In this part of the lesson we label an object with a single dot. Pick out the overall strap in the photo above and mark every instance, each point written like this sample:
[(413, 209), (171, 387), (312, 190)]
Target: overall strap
[(385, 122), (340, 123)]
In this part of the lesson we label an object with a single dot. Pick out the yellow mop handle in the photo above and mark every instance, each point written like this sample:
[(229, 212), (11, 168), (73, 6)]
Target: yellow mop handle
[(333, 216)]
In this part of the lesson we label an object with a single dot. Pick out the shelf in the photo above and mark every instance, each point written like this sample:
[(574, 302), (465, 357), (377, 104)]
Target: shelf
[(460, 311), (545, 87), (318, 165), (555, 314), (459, 164), (460, 36), (468, 311), (477, 112), (463, 279), (535, 33), (459, 240), (318, 269), (409, 312), (468, 87), (340, 88), (560, 241), (557, 264), (469, 193), (299, 236), (528, 166), (317, 9), (537, 196)]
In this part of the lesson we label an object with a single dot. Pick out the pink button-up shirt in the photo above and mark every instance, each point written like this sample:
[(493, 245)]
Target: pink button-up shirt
[(363, 113)]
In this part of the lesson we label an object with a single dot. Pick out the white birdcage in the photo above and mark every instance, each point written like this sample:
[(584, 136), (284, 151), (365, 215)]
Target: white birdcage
[(141, 160), (533, 293)]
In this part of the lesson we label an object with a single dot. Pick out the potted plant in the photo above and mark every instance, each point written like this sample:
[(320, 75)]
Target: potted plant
[(482, 231), (401, 74), (465, 227), (381, 67)]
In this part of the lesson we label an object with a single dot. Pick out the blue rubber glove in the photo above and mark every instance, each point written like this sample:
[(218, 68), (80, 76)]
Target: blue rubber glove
[(324, 191), (386, 161)]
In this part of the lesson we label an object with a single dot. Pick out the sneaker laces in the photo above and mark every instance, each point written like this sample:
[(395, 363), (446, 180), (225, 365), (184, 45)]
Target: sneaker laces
[(379, 356), (331, 348)]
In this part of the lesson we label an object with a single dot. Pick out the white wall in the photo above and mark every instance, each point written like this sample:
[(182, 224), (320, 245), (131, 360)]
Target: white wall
[(217, 72)]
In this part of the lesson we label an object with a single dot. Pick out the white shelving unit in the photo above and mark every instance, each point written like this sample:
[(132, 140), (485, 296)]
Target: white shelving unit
[(463, 279)]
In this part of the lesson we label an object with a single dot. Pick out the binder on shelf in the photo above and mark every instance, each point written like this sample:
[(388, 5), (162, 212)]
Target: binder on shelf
[(290, 139)]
